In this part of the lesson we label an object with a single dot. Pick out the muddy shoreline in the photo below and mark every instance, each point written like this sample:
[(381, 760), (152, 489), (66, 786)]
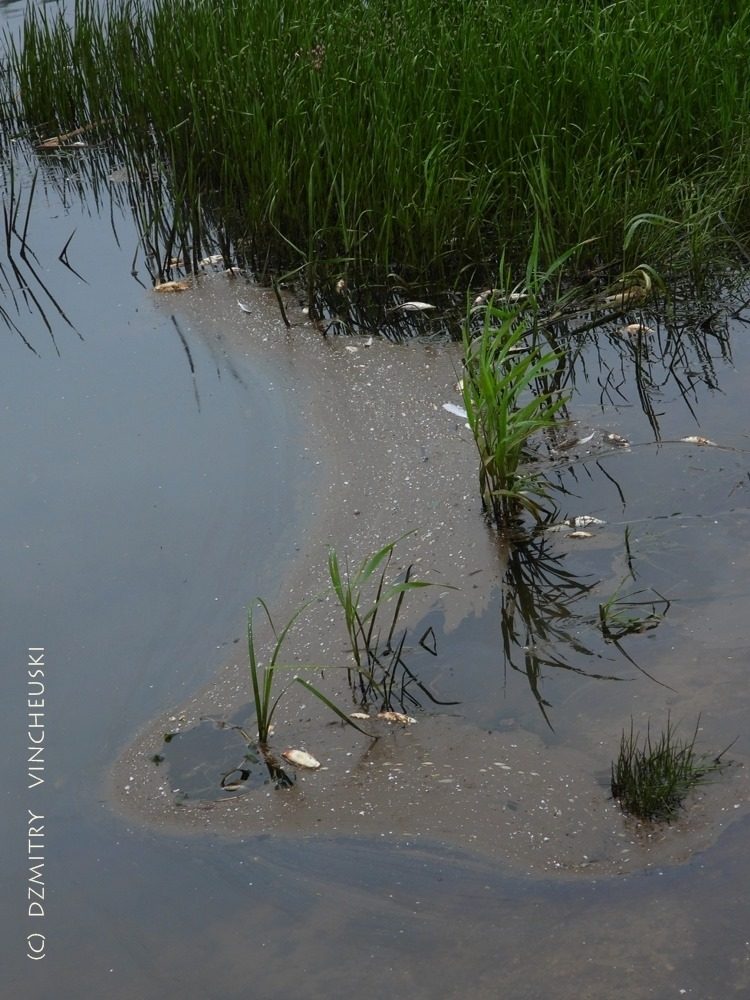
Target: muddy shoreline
[(382, 458)]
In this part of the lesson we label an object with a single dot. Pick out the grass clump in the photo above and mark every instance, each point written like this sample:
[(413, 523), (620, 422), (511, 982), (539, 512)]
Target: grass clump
[(651, 779), (509, 397), (351, 137)]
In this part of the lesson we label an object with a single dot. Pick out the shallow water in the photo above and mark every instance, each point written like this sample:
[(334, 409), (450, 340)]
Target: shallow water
[(160, 477)]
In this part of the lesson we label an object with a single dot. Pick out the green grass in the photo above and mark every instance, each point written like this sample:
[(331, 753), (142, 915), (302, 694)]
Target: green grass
[(366, 597), (354, 138), (651, 779), (509, 395), (266, 698)]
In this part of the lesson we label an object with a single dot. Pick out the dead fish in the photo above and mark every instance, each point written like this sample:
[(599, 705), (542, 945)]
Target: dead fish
[(634, 293), (407, 720), (414, 306), (618, 440), (584, 521), (172, 286), (580, 534), (636, 329), (703, 442), (245, 308), (341, 286), (488, 294), (457, 411), (300, 758), (214, 258), (358, 715)]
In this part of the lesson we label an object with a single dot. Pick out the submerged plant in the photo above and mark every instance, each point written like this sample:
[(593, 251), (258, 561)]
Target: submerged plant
[(621, 615), (651, 779)]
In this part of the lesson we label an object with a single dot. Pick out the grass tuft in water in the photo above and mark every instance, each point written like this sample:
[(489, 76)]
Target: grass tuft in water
[(508, 398), (650, 779)]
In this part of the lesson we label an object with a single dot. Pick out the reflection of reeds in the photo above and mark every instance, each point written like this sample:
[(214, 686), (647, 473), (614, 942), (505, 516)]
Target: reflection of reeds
[(358, 135), (21, 280), (540, 624), (651, 779), (380, 671)]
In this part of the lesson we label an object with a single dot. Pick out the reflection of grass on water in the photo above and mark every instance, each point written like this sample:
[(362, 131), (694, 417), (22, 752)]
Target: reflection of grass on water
[(538, 618), (546, 611), (379, 673), (651, 779), (354, 137)]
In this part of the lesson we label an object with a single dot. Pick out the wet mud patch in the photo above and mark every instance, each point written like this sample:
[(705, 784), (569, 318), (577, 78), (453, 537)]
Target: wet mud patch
[(502, 794)]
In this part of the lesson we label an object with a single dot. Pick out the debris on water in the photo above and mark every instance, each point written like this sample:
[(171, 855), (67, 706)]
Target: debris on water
[(414, 306), (59, 141), (244, 307), (703, 442), (578, 523), (636, 330), (629, 295), (230, 783), (172, 286), (498, 293), (368, 342), (457, 411), (584, 521), (617, 440), (214, 258), (358, 715), (119, 176), (406, 720), (351, 349), (300, 758)]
